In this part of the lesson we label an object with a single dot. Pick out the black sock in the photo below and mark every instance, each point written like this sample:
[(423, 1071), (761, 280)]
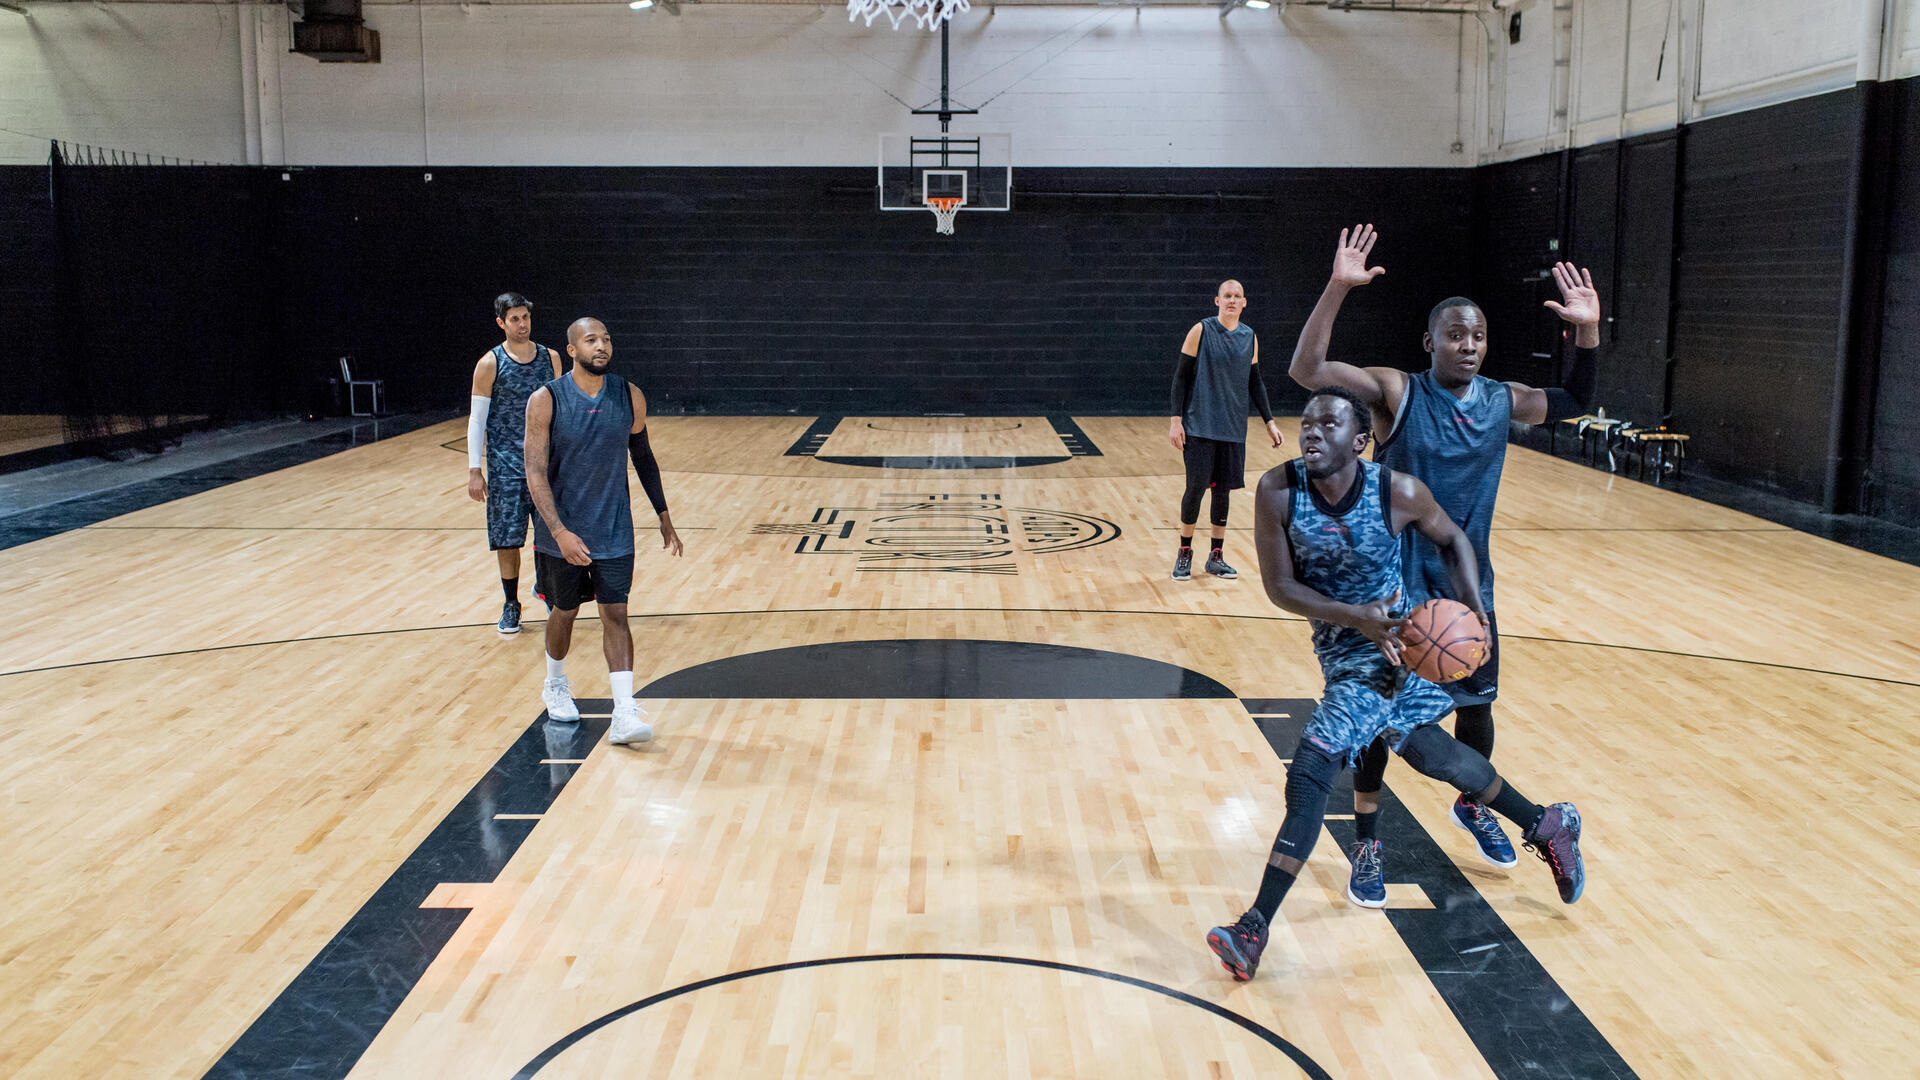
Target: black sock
[(510, 586), (1217, 541), (1365, 824), (1186, 545), (1513, 806), (1273, 889)]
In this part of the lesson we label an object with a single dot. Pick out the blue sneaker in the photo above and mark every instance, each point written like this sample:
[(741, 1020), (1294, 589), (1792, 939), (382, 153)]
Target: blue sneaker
[(1239, 946), (1556, 839), (1368, 884), (1487, 834)]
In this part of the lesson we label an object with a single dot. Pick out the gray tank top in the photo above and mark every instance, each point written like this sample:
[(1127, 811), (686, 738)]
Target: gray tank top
[(513, 383), (1456, 447), (587, 467), (1220, 403)]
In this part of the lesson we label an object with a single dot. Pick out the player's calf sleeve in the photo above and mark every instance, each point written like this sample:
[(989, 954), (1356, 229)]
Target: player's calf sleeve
[(1218, 513), (1473, 726), (1309, 782), (1190, 505), (1435, 753)]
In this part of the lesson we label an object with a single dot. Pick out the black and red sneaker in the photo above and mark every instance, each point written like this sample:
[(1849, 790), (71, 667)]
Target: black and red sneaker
[(1556, 839), (1239, 946)]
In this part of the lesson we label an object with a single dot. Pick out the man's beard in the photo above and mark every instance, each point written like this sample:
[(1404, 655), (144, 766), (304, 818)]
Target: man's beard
[(596, 367)]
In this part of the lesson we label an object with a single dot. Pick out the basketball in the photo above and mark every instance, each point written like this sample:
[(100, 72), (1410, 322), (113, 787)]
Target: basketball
[(1443, 641)]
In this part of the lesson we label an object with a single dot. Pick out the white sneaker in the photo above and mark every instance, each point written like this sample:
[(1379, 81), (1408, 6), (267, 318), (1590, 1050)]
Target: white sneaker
[(629, 724), (557, 696)]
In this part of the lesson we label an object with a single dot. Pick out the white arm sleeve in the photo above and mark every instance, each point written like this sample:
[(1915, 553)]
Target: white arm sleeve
[(477, 432)]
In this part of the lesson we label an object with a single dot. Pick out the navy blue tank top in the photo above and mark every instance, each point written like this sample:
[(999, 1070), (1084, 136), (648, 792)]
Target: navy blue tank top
[(1347, 553), (1218, 408), (1457, 447), (513, 383), (587, 467)]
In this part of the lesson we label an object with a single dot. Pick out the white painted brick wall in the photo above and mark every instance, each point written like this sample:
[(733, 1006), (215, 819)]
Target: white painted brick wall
[(737, 85)]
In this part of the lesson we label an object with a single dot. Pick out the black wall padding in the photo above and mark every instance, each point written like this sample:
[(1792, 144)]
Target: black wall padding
[(1516, 221), (1763, 225), (1893, 476)]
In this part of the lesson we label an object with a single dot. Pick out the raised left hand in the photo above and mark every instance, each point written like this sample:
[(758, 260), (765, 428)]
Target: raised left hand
[(1581, 305)]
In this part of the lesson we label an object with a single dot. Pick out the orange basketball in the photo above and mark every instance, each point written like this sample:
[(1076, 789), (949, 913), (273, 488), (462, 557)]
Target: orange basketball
[(1443, 641)]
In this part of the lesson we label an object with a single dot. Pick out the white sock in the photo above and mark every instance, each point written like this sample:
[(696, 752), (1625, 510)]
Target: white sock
[(556, 669), (622, 686)]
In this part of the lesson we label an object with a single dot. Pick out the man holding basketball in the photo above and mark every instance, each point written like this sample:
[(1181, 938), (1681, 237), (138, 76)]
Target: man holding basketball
[(1327, 531), (1447, 426)]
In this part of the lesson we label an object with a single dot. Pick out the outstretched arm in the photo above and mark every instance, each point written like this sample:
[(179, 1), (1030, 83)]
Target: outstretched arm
[(1184, 369), (1380, 387), (641, 451), (1257, 390), (480, 404), (1414, 504), (1272, 504), (539, 424), (1581, 307)]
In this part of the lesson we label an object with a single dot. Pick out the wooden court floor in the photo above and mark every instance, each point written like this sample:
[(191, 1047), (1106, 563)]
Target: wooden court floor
[(240, 726)]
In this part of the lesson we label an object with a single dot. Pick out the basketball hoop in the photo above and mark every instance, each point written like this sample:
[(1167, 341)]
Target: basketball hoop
[(944, 211), (928, 13)]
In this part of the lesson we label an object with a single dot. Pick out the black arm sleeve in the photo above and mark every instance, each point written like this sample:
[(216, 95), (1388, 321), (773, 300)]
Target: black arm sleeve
[(1257, 389), (1182, 385), (643, 463), (1577, 397)]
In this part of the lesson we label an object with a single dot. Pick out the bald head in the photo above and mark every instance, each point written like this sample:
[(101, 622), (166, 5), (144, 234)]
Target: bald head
[(590, 345), (1231, 299), (584, 326)]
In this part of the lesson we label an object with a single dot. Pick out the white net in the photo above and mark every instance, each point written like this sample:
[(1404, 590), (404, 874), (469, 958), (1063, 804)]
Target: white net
[(928, 13), (944, 211)]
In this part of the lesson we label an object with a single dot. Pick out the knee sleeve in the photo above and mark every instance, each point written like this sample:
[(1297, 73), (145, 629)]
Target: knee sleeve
[(1435, 753), (1473, 725), (1219, 509), (1190, 504), (1309, 782), (1372, 772)]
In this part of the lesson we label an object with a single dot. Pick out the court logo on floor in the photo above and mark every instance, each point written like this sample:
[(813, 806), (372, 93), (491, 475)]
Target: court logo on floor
[(940, 532)]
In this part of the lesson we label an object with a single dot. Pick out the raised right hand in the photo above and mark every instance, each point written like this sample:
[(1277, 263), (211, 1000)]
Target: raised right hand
[(1380, 627), (476, 486), (1177, 434), (574, 549), (1350, 259)]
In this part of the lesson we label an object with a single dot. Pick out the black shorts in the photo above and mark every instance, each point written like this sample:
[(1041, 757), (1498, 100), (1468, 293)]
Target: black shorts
[(1213, 463), (1481, 687), (565, 586)]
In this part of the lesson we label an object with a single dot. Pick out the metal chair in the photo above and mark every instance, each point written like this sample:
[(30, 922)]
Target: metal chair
[(376, 391)]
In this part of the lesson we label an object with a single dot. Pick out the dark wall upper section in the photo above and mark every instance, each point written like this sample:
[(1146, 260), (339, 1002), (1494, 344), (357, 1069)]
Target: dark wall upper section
[(1893, 478), (1763, 227), (745, 290), (1517, 217), (26, 291)]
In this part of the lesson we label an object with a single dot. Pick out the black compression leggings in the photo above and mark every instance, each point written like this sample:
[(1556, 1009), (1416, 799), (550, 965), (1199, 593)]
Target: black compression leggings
[(1190, 505), (1472, 725)]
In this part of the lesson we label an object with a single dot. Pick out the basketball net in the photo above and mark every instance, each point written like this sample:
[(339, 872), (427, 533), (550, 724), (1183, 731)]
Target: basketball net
[(928, 13), (944, 211)]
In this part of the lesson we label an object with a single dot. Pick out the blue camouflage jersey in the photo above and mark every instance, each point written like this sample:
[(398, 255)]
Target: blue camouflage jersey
[(1349, 553)]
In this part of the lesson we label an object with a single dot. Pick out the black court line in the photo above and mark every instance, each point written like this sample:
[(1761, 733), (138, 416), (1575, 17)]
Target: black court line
[(882, 610), (86, 510), (1520, 1019), (323, 1021), (329, 528), (1076, 442), (1298, 1056)]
